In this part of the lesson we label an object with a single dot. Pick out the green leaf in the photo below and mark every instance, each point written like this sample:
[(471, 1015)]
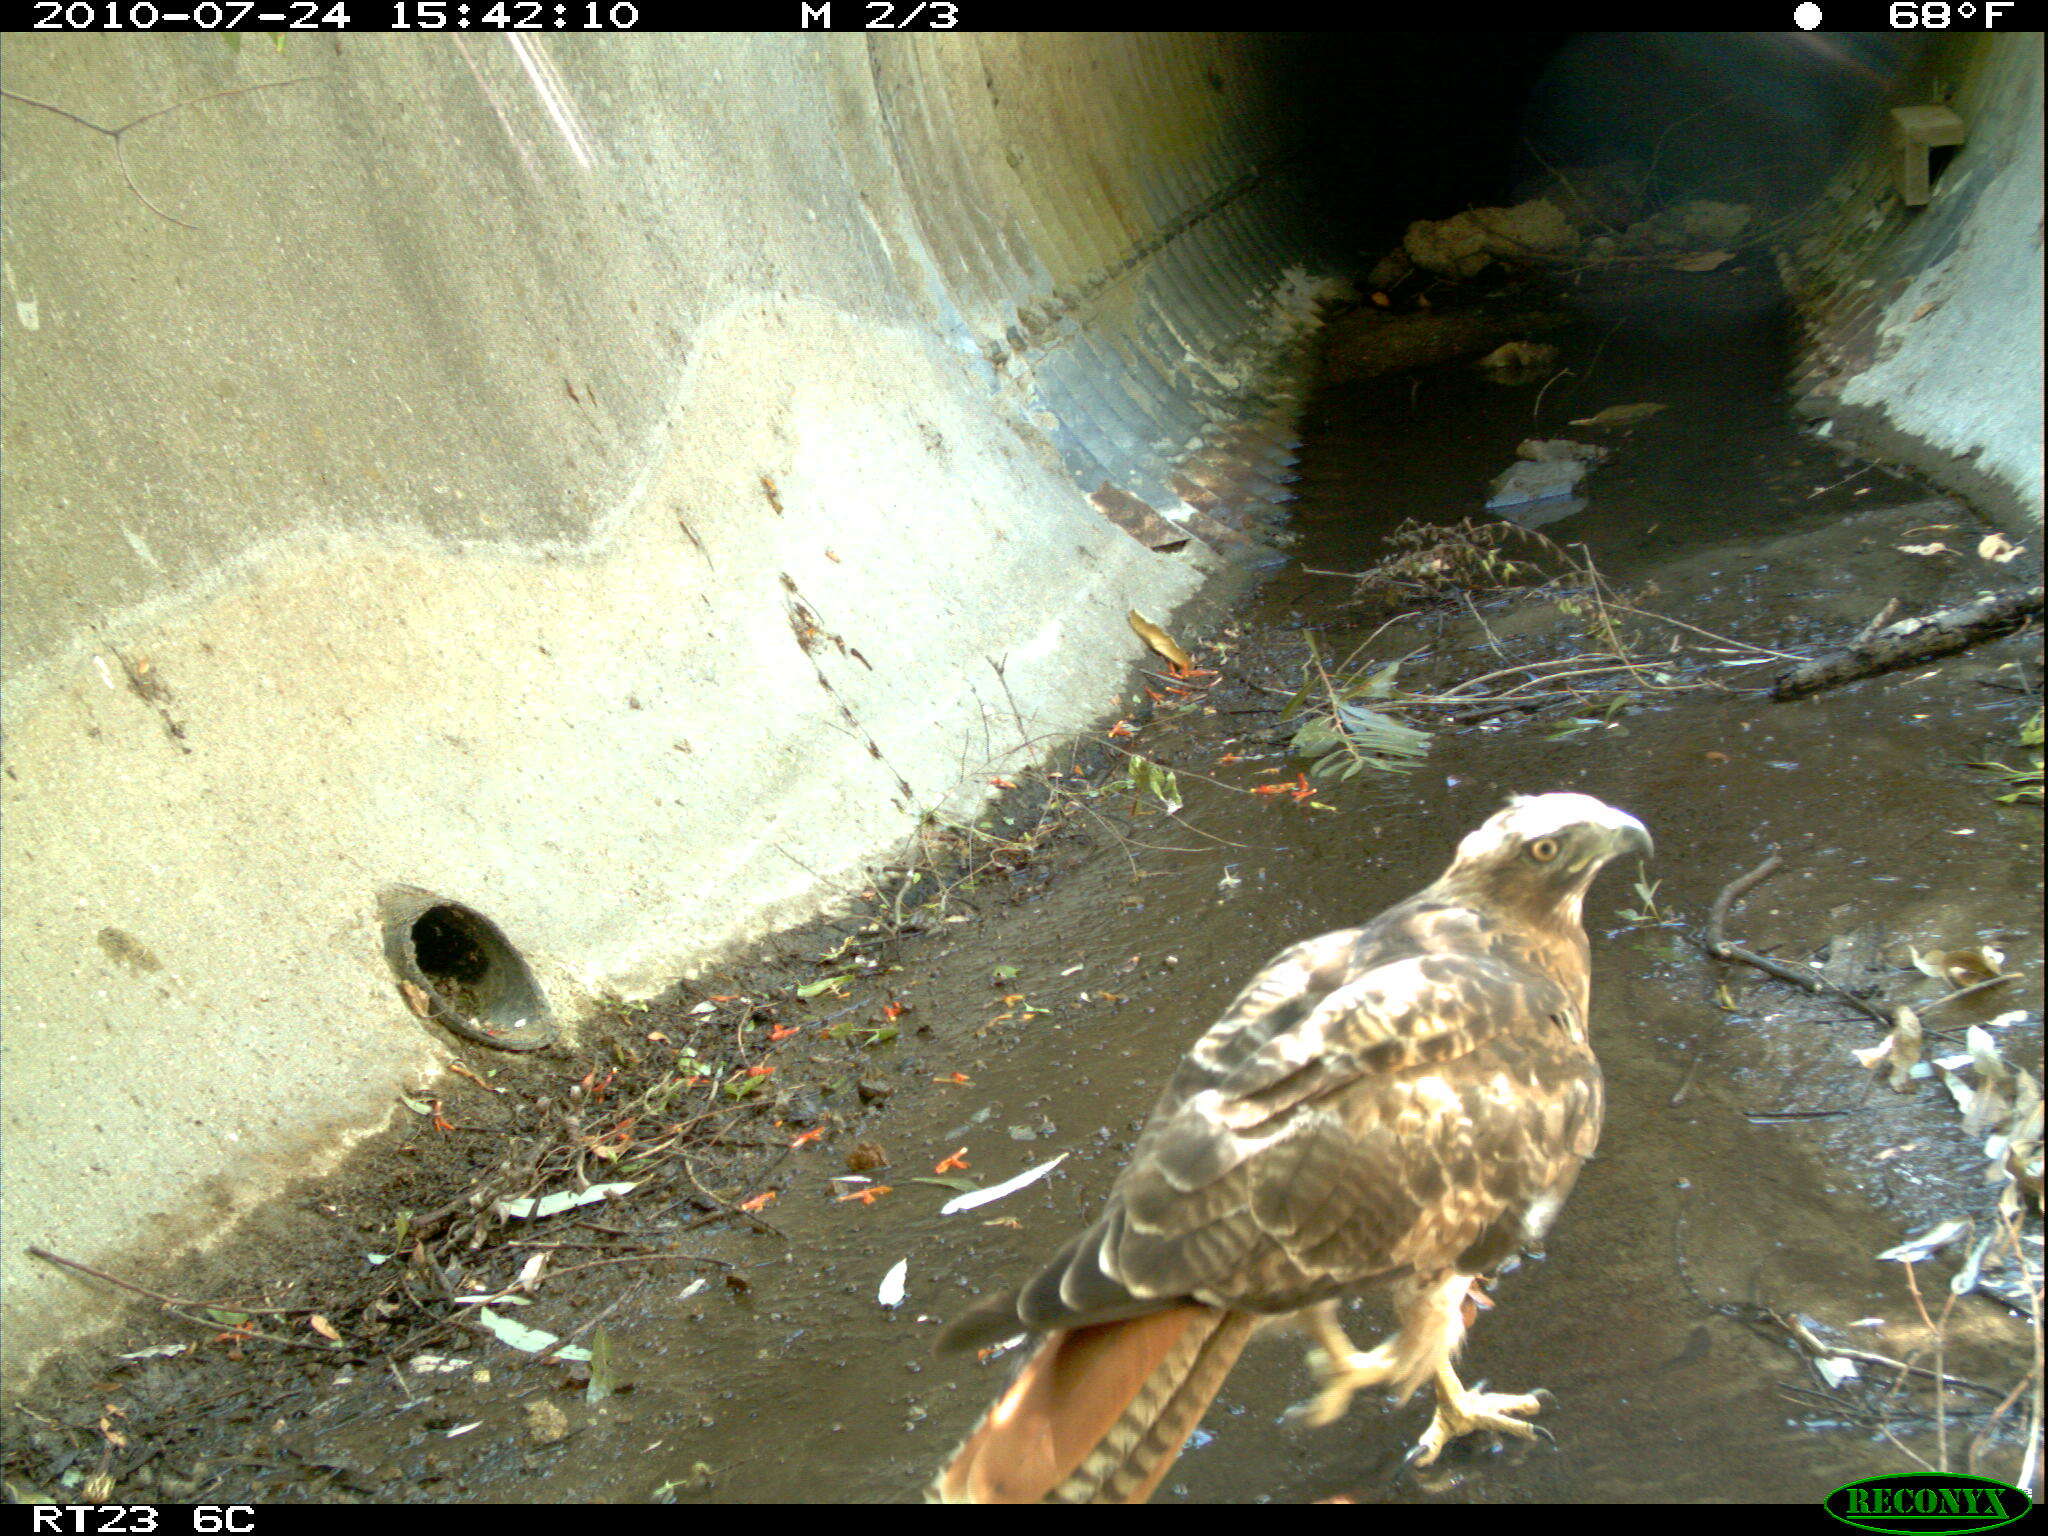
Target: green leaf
[(603, 1376), (1149, 778), (1379, 685)]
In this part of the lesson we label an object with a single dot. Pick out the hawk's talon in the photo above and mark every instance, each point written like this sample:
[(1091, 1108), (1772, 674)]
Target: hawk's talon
[(1340, 1379), (1462, 1412)]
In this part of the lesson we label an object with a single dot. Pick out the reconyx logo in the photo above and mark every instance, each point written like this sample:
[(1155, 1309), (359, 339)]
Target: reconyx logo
[(1918, 1502)]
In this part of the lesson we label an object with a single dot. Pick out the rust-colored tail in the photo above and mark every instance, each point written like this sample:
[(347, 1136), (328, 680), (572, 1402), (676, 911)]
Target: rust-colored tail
[(1098, 1414)]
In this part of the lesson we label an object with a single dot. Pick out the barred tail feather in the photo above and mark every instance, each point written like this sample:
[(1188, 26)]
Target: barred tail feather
[(1099, 1414)]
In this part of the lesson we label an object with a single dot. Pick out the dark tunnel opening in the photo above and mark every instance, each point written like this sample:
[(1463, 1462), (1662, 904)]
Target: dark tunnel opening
[(1394, 127)]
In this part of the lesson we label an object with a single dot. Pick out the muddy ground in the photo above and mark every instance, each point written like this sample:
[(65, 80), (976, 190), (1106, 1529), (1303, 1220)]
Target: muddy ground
[(1751, 1169)]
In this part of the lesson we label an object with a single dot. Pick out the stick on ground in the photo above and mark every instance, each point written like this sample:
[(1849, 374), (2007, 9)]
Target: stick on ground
[(1912, 640), (1804, 976)]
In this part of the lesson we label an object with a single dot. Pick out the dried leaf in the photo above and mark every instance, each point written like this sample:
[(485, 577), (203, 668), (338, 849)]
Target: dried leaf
[(531, 1340), (562, 1200), (1160, 641), (1836, 1369), (324, 1328), (1960, 967), (997, 1191), (1997, 547), (1926, 1245), (892, 1292), (1705, 261), (1620, 415), (1936, 548), (1899, 1051)]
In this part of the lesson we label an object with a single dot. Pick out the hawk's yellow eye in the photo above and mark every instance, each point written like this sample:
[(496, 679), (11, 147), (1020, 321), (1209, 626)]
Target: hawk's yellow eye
[(1543, 850)]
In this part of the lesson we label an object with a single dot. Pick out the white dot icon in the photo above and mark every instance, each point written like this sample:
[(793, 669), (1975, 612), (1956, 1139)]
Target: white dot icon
[(1807, 17)]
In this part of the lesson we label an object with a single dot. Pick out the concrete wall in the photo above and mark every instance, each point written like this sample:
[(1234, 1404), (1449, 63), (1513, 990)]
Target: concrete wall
[(587, 479), (1924, 324)]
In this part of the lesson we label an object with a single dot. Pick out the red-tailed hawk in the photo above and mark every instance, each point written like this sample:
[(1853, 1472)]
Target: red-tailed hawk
[(1404, 1104)]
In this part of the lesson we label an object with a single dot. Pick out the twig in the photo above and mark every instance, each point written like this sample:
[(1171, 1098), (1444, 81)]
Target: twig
[(639, 1258), (1536, 411), (1733, 891), (1665, 618), (169, 1301), (1962, 992), (1804, 976), (728, 1209), (1819, 1346), (1883, 617), (1940, 1332), (576, 1333), (1002, 676), (1911, 641)]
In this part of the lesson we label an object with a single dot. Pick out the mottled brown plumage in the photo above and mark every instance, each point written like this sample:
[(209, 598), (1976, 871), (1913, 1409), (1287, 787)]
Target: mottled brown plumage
[(1403, 1104)]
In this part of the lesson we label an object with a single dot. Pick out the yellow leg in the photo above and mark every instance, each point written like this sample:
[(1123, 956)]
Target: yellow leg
[(1462, 1412), (1433, 1320), (1431, 1327)]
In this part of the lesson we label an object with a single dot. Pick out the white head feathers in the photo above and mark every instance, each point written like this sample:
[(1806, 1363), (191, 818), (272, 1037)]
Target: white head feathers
[(1529, 817)]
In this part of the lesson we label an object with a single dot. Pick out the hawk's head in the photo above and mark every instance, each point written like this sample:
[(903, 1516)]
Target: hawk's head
[(1544, 850)]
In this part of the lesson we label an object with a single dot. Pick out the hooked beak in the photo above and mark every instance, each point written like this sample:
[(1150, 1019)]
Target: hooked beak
[(1631, 836)]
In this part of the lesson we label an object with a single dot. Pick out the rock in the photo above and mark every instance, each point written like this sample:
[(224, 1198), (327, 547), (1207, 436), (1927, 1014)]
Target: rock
[(1453, 247), (1546, 450), (1463, 245), (545, 1423), (1518, 362), (1711, 223), (800, 1107), (1535, 492), (1688, 226)]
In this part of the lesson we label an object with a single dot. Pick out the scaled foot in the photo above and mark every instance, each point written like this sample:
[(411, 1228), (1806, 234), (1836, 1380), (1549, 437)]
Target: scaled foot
[(1342, 1376), (1461, 1412)]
